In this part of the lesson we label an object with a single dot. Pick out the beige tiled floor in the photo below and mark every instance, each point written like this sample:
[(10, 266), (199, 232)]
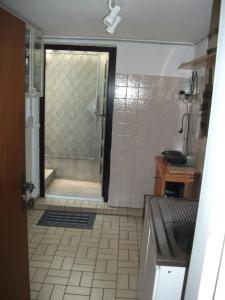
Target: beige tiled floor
[(82, 264), (74, 188)]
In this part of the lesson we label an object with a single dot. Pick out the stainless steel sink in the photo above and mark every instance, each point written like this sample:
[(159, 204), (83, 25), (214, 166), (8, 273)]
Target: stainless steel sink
[(173, 225), (180, 238), (183, 235)]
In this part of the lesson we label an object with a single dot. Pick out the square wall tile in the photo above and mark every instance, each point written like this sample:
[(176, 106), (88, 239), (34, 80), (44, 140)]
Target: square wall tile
[(130, 117), (133, 81), (145, 94), (132, 93), (119, 104), (145, 81), (121, 80), (118, 117), (118, 128), (129, 129), (120, 92), (143, 106), (132, 105)]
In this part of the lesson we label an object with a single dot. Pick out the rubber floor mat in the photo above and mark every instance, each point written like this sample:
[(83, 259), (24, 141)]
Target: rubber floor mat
[(67, 219)]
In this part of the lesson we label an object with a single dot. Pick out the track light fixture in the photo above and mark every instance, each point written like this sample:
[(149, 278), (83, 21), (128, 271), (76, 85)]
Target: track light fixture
[(112, 20)]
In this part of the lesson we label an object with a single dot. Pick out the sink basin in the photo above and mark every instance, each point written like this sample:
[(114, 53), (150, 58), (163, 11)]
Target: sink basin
[(183, 235)]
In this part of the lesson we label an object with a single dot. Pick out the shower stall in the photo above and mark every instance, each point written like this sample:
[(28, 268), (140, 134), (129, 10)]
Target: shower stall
[(75, 104)]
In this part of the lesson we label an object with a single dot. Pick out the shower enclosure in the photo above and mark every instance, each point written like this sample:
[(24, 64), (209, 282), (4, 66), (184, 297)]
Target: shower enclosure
[(75, 100)]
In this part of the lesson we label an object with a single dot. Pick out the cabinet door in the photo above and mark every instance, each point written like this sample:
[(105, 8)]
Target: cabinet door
[(150, 273), (34, 62), (145, 236), (147, 265), (170, 283), (28, 60), (37, 63)]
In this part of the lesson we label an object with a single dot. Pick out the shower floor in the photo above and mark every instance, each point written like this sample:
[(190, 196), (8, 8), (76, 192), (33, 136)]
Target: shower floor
[(74, 189)]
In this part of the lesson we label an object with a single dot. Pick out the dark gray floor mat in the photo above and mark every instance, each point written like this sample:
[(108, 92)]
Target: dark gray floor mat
[(67, 219)]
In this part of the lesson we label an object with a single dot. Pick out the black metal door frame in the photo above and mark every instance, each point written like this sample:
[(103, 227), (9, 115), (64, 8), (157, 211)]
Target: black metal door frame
[(108, 119)]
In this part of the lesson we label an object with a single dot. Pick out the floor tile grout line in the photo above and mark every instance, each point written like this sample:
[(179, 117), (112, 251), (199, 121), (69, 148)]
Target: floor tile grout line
[(40, 240), (34, 223), (52, 259), (46, 272), (96, 256), (51, 292), (73, 264), (80, 237)]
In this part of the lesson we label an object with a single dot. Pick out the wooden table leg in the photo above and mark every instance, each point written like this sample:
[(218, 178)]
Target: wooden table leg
[(162, 192), (186, 188)]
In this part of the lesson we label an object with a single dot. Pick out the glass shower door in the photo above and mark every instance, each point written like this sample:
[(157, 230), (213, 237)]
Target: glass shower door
[(72, 123)]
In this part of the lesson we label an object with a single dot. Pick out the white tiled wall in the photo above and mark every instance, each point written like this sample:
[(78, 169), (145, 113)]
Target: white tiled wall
[(146, 121)]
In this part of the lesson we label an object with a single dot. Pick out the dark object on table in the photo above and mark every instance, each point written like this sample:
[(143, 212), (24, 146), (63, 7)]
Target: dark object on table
[(174, 157)]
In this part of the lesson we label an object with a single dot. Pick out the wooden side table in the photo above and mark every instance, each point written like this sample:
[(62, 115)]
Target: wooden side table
[(167, 173)]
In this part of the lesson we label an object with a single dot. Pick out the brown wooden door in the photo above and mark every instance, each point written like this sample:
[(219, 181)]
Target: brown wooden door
[(14, 266)]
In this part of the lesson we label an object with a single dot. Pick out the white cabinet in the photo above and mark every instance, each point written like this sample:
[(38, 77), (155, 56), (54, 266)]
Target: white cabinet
[(169, 283), (34, 62), (147, 264), (157, 282)]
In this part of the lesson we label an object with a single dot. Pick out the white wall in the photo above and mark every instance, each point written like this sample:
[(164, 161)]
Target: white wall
[(152, 59), (32, 143), (210, 228), (143, 58)]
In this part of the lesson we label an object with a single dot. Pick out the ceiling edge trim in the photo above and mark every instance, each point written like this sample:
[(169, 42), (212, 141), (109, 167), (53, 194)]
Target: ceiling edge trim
[(49, 37)]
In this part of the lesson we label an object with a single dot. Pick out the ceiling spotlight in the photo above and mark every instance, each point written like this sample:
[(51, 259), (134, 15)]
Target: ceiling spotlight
[(112, 20), (111, 17), (111, 29)]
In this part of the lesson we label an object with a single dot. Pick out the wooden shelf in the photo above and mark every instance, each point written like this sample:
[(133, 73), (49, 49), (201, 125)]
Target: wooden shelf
[(201, 62)]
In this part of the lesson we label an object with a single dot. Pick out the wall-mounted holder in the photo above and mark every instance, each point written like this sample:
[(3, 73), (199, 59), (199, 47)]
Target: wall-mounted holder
[(189, 88), (184, 96)]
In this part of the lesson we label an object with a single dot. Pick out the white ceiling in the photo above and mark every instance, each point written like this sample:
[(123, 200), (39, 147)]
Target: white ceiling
[(162, 20)]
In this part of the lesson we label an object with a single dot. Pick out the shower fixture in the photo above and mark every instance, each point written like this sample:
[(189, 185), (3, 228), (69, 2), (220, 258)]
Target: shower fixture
[(189, 88), (113, 19)]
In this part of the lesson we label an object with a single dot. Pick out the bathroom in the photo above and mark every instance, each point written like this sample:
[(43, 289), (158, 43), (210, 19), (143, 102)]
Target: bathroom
[(145, 119)]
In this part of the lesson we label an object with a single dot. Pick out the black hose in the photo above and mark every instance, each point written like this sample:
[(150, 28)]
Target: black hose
[(187, 132), (187, 135)]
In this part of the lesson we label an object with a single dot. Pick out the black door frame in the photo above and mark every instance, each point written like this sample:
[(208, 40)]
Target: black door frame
[(108, 119)]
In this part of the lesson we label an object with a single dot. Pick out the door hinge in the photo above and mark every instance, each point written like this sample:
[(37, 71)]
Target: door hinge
[(26, 187)]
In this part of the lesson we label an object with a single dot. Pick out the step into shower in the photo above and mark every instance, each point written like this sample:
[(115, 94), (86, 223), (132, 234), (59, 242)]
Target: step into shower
[(49, 176)]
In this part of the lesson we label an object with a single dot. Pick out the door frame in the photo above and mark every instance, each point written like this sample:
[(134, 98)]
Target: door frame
[(108, 118)]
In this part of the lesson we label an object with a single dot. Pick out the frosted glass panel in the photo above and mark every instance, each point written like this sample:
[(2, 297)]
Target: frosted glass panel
[(72, 129)]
